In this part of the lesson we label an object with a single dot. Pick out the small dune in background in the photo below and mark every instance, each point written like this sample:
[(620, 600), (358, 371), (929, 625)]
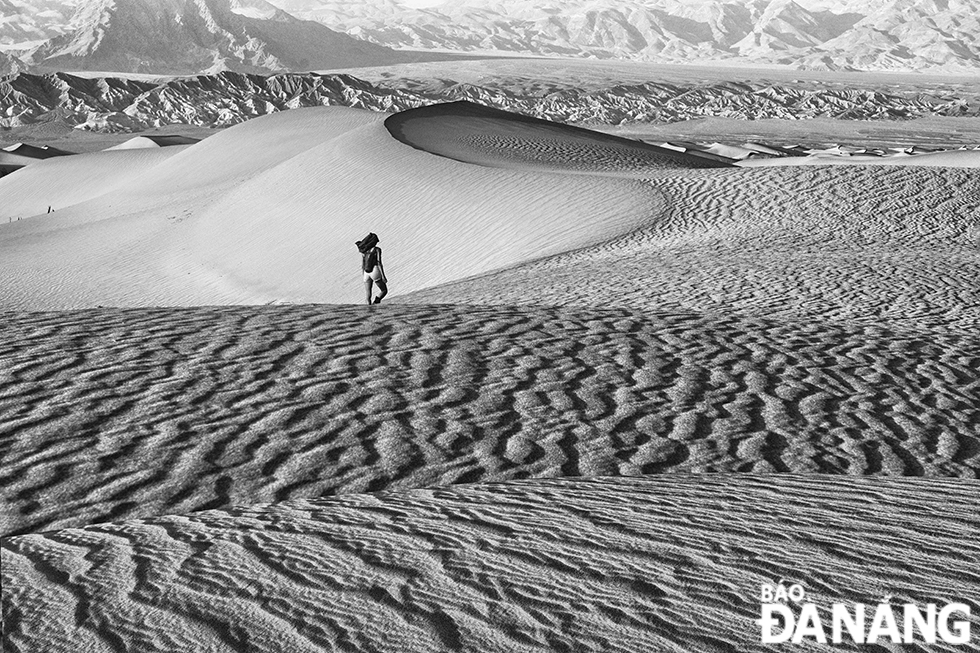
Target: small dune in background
[(614, 390), (65, 181)]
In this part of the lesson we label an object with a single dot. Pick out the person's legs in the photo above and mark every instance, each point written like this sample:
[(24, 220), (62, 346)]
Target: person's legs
[(383, 287), (369, 286)]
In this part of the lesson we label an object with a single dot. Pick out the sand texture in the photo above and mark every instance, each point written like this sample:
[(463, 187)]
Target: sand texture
[(236, 405), (868, 245), (934, 131), (950, 159), (661, 563), (472, 133), (605, 401)]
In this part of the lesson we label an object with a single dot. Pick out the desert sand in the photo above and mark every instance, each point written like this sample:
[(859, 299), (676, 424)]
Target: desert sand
[(660, 563), (946, 159), (63, 182), (936, 132), (610, 394)]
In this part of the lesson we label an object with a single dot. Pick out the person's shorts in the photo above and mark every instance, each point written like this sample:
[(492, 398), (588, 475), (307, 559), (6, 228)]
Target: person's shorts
[(373, 275)]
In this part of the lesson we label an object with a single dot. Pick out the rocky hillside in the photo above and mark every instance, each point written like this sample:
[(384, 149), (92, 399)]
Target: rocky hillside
[(29, 23), (10, 64), (113, 104)]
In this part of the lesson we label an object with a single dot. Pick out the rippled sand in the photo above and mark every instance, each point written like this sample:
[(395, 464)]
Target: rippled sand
[(130, 413), (662, 562)]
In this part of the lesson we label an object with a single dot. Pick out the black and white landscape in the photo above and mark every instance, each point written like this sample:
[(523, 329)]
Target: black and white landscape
[(658, 336), (808, 34), (212, 35), (177, 37)]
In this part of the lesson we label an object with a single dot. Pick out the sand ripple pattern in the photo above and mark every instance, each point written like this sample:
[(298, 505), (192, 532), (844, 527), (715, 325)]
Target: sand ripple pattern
[(562, 154), (111, 414), (481, 135), (868, 245), (663, 563)]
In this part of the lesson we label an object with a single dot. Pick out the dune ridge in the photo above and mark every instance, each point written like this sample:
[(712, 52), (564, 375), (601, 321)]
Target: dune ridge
[(474, 133), (269, 211)]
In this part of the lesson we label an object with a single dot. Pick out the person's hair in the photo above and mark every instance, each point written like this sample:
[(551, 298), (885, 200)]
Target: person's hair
[(362, 244)]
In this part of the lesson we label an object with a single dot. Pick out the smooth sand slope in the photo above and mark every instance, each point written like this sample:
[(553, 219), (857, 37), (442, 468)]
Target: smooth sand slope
[(154, 141), (62, 182), (573, 346), (269, 211)]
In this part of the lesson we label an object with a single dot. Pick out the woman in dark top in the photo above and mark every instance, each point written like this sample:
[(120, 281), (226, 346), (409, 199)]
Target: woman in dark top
[(373, 269)]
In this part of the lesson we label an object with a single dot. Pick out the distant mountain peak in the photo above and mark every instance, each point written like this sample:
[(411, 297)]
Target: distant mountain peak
[(191, 36), (820, 34), (258, 9), (180, 36)]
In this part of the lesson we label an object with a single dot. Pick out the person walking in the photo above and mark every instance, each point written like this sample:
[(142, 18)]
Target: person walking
[(372, 268)]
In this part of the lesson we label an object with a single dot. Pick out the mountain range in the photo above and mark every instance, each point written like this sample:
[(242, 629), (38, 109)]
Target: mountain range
[(227, 98), (26, 24), (906, 35), (259, 36), (192, 36), (175, 37)]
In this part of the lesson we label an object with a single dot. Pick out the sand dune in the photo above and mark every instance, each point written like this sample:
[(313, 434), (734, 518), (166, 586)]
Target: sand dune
[(866, 245), (145, 141), (269, 210), (949, 159), (473, 133), (607, 399), (62, 182), (663, 563)]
